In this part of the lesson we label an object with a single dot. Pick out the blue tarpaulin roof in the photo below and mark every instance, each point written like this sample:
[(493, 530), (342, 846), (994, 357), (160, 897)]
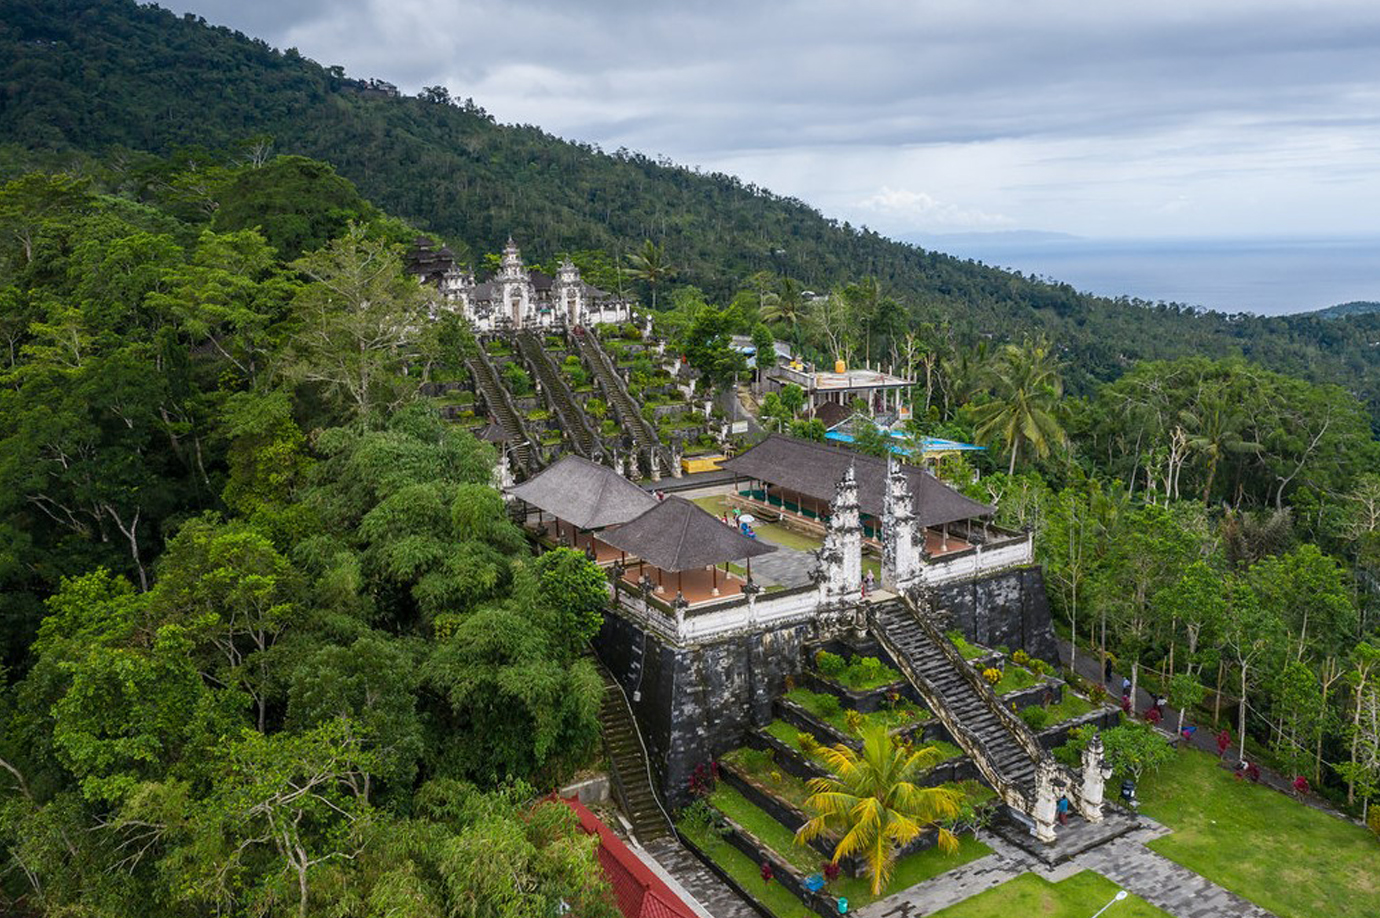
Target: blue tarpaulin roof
[(929, 444)]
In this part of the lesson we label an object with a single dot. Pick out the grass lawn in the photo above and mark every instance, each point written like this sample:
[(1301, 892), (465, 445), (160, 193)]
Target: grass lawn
[(1014, 679), (758, 767), (787, 733), (967, 650), (1283, 856), (902, 715), (916, 868), (748, 874), (1030, 896), (1070, 707), (767, 830), (768, 532)]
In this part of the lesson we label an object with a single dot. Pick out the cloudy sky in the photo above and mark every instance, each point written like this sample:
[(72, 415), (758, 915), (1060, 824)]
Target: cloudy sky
[(1205, 119)]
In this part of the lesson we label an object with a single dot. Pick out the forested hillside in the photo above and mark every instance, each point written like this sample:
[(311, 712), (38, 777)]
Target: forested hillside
[(270, 644), (114, 78)]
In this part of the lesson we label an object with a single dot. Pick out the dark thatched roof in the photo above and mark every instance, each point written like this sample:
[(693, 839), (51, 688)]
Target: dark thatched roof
[(677, 535), (813, 469), (585, 493)]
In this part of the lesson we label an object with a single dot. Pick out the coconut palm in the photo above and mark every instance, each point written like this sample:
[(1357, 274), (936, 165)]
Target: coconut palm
[(875, 805), (1216, 428), (1025, 405), (649, 264), (785, 304)]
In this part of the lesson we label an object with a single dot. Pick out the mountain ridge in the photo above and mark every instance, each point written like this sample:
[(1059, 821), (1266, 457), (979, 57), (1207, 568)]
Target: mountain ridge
[(109, 77)]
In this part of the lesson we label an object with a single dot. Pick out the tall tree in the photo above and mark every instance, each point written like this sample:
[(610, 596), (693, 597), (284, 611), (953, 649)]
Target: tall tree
[(356, 325), (1024, 408), (650, 265)]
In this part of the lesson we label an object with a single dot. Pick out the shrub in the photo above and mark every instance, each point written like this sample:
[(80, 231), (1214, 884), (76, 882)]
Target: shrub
[(870, 668), (704, 778), (1020, 658), (519, 383), (1035, 717), (829, 664), (1041, 668), (1097, 692), (807, 742), (854, 720), (828, 706), (992, 675), (1373, 820)]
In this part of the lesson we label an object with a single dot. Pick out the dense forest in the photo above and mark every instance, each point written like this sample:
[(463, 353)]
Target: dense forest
[(268, 641), (271, 645), (121, 80)]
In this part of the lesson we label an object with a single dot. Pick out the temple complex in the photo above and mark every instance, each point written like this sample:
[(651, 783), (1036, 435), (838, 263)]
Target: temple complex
[(516, 297), (701, 645)]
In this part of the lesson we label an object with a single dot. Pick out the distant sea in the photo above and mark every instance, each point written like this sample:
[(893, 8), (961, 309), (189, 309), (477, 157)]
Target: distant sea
[(1264, 276)]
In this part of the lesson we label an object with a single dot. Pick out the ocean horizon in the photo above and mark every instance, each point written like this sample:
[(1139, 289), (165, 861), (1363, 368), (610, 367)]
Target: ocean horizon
[(1266, 276)]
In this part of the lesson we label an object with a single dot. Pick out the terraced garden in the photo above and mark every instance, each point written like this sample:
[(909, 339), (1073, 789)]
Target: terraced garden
[(759, 801)]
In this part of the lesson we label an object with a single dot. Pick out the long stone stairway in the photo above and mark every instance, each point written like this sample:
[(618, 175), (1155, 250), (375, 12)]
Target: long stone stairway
[(632, 779), (1000, 744), (521, 451), (558, 395), (643, 434)]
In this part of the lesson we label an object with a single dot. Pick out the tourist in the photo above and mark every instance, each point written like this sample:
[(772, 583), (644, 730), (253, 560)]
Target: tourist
[(867, 584), (1063, 808)]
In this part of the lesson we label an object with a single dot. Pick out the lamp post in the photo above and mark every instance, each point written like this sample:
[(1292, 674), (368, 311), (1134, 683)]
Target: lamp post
[(1121, 894)]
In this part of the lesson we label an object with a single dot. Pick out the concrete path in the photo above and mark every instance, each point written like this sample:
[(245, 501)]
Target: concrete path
[(1163, 883), (709, 892), (1125, 861), (789, 567)]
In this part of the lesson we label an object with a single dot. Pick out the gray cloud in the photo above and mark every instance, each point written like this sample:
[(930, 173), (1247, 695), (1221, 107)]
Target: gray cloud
[(1058, 115)]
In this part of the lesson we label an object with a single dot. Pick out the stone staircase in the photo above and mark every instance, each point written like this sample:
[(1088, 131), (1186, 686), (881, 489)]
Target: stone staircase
[(522, 452), (630, 771), (629, 418), (558, 395), (1002, 747)]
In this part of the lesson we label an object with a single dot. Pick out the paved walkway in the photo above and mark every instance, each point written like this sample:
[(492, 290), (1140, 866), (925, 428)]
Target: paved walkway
[(711, 893), (1125, 861), (1165, 884), (789, 567)]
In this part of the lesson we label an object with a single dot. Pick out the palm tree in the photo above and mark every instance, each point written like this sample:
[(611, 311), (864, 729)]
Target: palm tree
[(1025, 405), (785, 305), (875, 804), (1217, 430), (649, 264)]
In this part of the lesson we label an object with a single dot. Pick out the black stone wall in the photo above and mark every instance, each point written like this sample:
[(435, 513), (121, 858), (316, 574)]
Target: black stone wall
[(1007, 609), (696, 703)]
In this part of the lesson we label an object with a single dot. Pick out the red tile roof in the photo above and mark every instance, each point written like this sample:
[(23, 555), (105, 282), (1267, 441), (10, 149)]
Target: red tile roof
[(639, 892)]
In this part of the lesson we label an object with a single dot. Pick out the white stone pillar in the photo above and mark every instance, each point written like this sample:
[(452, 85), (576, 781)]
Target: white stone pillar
[(1046, 809), (900, 539), (841, 555), (1096, 772)]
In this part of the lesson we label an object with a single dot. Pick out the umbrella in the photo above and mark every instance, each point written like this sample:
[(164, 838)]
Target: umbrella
[(747, 518)]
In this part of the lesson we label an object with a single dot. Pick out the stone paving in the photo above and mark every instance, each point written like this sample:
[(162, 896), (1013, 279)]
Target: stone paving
[(1125, 861), (709, 891), (789, 567), (1163, 883)]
